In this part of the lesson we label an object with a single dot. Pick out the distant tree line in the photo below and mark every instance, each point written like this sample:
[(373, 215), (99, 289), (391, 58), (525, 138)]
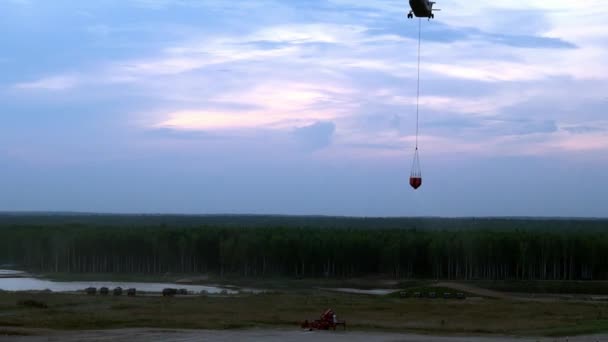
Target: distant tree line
[(528, 249)]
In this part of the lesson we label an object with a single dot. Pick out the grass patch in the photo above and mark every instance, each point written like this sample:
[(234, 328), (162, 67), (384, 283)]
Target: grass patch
[(12, 332), (123, 306), (385, 313), (546, 287), (580, 328), (31, 303)]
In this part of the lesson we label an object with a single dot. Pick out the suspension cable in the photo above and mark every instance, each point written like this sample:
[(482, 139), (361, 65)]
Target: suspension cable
[(418, 86)]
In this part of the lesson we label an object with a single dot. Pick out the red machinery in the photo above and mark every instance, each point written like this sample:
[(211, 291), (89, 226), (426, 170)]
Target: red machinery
[(327, 321)]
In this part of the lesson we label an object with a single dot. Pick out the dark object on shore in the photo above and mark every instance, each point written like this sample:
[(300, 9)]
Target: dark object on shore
[(182, 292), (118, 291), (131, 292), (432, 295), (327, 321), (104, 291), (460, 295), (169, 292), (91, 291), (30, 303)]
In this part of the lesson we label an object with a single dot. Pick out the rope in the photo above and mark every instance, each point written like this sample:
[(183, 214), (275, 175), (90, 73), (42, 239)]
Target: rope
[(418, 86)]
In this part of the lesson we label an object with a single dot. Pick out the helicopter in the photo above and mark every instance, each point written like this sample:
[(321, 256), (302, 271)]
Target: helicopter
[(422, 9)]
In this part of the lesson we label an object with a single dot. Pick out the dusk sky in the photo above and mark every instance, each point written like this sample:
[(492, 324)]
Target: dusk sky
[(304, 107)]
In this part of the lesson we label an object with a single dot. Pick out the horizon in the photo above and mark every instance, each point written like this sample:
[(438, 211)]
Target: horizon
[(84, 213)]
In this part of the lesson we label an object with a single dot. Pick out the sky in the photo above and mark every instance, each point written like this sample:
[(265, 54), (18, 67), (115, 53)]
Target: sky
[(304, 107)]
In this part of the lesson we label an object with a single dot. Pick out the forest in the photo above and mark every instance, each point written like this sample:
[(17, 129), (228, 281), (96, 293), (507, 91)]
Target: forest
[(297, 246)]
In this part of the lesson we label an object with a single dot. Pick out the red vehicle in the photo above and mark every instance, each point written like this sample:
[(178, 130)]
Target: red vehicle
[(327, 321)]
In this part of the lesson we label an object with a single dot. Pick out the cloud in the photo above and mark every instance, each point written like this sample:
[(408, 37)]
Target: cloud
[(510, 127), (52, 83), (274, 106), (441, 33), (596, 142), (583, 129), (473, 106), (310, 33), (485, 67), (213, 120), (530, 41), (315, 136)]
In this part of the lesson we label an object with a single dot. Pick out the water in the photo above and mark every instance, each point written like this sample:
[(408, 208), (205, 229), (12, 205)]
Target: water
[(379, 292), (7, 283)]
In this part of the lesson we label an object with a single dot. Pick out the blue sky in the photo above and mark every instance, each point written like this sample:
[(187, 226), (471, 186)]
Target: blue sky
[(303, 107)]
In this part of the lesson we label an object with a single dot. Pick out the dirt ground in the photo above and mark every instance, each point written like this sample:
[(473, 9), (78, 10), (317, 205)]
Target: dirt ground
[(547, 298), (269, 335)]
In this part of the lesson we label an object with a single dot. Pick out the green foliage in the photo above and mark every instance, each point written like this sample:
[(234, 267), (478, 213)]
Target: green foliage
[(263, 246), (546, 286)]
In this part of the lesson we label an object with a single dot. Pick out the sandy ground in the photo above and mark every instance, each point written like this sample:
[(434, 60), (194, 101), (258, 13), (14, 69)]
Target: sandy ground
[(141, 335)]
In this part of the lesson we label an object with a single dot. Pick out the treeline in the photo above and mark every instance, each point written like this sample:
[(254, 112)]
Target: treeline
[(262, 221), (576, 253)]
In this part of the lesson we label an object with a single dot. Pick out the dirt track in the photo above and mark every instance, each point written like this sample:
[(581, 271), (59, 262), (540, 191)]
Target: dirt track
[(141, 335)]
